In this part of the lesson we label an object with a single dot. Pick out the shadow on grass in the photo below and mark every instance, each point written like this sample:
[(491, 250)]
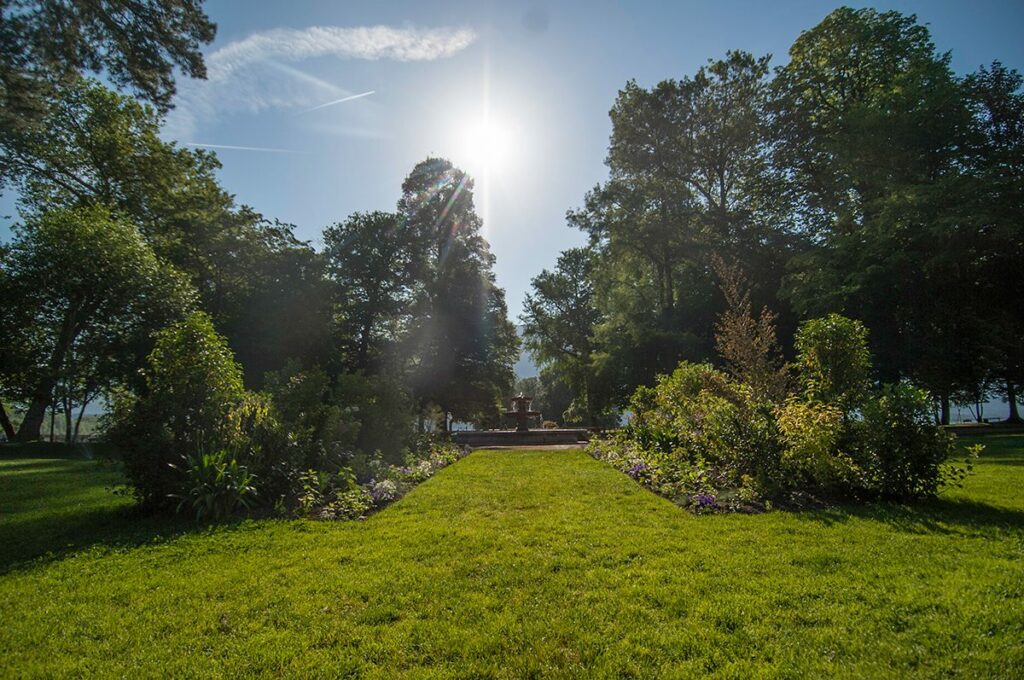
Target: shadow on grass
[(49, 511), (32, 542), (56, 450), (938, 516)]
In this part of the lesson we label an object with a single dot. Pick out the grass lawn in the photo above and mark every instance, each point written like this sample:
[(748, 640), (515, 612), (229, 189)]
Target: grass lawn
[(513, 564)]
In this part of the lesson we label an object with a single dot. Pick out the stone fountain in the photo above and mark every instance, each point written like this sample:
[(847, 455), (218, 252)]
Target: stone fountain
[(522, 435), (522, 413)]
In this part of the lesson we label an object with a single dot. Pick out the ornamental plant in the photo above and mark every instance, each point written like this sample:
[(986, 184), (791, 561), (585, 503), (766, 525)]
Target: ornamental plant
[(710, 443), (192, 385)]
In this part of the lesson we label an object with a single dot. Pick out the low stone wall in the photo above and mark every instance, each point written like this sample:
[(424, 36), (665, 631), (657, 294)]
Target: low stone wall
[(481, 438)]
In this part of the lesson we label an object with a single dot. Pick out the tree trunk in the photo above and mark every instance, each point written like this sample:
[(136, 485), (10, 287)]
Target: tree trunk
[(53, 418), (78, 421), (1011, 397), (32, 424), (68, 411), (6, 423), (944, 401)]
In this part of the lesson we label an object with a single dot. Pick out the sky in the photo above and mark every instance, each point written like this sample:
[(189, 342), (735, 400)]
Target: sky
[(335, 102)]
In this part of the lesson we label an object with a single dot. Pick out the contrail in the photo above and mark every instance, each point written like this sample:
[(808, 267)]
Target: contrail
[(239, 148), (343, 99)]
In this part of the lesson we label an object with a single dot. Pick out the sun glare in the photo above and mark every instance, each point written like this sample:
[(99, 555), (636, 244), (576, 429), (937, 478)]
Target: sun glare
[(487, 145)]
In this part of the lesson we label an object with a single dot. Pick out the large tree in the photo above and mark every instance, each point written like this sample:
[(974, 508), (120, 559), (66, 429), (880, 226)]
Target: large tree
[(689, 177), (99, 147), (82, 292), (872, 130), (138, 44), (462, 347), (559, 319), (371, 266), (996, 201)]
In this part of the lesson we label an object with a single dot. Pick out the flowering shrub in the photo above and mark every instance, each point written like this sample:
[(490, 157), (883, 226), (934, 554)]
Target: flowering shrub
[(339, 497), (705, 441)]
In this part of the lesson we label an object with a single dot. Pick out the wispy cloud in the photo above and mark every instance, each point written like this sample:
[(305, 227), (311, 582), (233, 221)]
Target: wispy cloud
[(254, 74), (238, 148), (340, 101)]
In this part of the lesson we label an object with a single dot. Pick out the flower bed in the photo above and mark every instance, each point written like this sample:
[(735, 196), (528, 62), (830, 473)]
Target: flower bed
[(340, 497)]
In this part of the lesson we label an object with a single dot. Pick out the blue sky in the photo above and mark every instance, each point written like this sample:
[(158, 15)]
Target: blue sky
[(543, 74)]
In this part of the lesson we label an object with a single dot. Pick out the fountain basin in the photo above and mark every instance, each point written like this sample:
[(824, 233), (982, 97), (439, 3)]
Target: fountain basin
[(534, 437)]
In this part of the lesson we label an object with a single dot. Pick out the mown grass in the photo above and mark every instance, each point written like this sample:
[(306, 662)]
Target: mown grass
[(518, 564)]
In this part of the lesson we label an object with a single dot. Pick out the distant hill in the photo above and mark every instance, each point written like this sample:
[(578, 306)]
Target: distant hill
[(525, 368)]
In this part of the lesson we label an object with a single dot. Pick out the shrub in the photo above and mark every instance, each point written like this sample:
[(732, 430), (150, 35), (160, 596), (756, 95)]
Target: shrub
[(707, 442), (549, 425), (215, 486), (899, 445), (321, 434), (351, 504), (192, 384), (812, 434), (833, 361), (698, 435), (748, 343)]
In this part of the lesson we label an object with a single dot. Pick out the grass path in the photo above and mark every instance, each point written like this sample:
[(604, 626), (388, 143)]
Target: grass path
[(521, 564)]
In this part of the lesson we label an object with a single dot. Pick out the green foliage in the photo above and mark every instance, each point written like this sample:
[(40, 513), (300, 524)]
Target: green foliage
[(862, 176), (901, 451), (689, 176), (812, 434), (263, 287), (373, 267), (461, 345), (322, 433), (215, 486), (697, 435), (138, 44), (559, 319), (706, 441), (833, 360), (193, 387), (83, 292)]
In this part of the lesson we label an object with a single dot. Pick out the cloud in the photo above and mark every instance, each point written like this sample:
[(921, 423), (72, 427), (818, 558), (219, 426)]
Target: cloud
[(340, 101), (253, 74), (232, 147)]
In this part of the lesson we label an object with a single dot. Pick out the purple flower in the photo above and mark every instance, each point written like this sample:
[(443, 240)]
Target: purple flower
[(704, 500), (637, 469)]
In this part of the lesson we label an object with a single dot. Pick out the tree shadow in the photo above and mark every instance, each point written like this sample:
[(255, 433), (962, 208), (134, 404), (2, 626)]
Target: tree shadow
[(56, 450), (32, 542), (35, 533), (947, 516)]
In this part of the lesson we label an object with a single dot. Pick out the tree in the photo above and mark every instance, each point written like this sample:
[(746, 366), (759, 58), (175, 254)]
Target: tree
[(82, 293), (559, 319), (135, 43), (689, 177), (872, 129), (996, 166), (462, 347), (281, 308), (101, 148), (371, 259)]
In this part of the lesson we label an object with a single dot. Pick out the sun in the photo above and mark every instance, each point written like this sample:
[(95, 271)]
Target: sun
[(487, 145)]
